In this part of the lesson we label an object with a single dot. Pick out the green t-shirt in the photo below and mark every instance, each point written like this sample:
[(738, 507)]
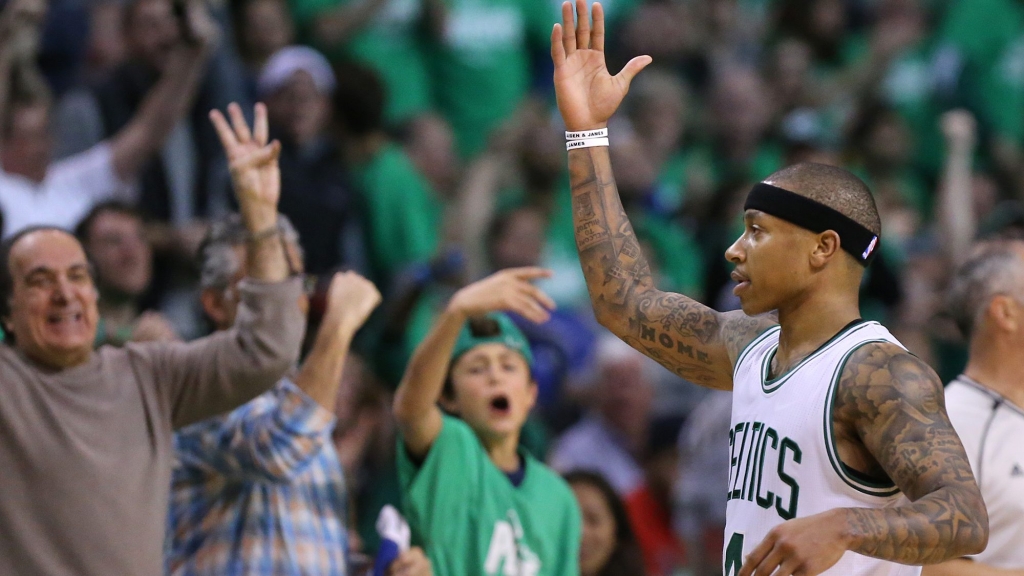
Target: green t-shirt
[(390, 44), (403, 212), (482, 64), (989, 35), (472, 521)]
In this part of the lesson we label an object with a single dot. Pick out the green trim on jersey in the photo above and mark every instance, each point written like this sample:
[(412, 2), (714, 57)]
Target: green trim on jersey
[(757, 340), (879, 489), (769, 385)]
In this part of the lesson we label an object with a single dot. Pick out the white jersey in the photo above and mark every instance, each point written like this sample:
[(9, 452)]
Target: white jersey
[(991, 429), (783, 458)]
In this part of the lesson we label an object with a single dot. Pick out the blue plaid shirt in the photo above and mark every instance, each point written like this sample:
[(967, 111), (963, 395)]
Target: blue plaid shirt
[(259, 491)]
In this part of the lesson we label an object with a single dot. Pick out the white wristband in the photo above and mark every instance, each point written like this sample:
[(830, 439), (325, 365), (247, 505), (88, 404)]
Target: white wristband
[(587, 143), (599, 133)]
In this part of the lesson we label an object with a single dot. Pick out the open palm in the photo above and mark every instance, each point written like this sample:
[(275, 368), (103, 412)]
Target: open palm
[(253, 162), (587, 93)]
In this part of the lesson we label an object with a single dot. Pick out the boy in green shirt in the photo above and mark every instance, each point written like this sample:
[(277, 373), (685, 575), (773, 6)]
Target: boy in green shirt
[(474, 501)]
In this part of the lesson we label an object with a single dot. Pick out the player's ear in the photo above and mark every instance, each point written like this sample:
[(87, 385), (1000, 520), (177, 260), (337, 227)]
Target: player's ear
[(826, 249)]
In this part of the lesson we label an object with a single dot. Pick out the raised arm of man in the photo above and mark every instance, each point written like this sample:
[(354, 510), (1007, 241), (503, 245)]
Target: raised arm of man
[(272, 439), (170, 98), (217, 373), (688, 338)]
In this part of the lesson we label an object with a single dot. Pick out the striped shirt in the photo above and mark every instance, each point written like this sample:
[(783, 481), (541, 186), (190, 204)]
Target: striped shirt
[(259, 491)]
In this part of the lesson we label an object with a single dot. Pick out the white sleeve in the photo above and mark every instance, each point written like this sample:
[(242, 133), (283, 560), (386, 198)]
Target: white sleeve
[(90, 175)]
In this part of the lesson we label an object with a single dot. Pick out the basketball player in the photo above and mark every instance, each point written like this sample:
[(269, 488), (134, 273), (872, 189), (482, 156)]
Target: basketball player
[(843, 457), (986, 402)]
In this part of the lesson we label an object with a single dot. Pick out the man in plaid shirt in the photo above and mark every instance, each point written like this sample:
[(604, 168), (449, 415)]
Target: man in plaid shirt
[(260, 490)]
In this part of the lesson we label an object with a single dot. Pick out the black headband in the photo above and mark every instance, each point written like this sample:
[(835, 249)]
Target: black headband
[(855, 239)]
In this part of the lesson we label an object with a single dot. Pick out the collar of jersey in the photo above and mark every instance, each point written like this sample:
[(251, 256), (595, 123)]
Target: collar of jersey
[(769, 385)]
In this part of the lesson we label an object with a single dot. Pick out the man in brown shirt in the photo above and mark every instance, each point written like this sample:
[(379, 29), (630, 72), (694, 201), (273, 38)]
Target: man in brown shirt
[(85, 437)]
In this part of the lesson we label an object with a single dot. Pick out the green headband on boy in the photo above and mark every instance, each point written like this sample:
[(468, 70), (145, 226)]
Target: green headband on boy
[(508, 334)]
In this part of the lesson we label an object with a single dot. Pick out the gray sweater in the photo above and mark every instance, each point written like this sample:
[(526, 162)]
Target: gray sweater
[(86, 453)]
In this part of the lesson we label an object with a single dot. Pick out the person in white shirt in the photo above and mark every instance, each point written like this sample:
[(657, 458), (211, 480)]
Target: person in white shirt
[(36, 191), (986, 402)]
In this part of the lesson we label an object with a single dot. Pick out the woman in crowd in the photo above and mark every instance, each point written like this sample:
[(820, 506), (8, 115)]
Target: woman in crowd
[(607, 547)]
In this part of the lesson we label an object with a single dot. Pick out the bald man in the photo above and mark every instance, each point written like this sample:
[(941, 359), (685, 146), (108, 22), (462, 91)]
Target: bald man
[(843, 459)]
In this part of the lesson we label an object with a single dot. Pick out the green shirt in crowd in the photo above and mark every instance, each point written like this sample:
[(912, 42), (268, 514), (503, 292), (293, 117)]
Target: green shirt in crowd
[(403, 212), (482, 63), (471, 519), (391, 44), (989, 36)]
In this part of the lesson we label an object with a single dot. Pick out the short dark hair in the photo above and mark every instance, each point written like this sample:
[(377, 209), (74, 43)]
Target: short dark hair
[(992, 268), (626, 559), (7, 279), (121, 207), (479, 327), (834, 187)]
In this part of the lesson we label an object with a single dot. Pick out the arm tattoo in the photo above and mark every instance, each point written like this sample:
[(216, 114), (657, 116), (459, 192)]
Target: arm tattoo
[(688, 338), (895, 404)]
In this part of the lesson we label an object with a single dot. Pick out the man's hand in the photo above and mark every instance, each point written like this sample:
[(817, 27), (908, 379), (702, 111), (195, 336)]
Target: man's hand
[(509, 291), (587, 93), (253, 164), (412, 562), (350, 300), (804, 546)]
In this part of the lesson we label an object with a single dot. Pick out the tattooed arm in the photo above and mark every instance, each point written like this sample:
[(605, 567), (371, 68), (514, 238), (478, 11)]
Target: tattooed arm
[(692, 340), (895, 405), (686, 337), (890, 420)]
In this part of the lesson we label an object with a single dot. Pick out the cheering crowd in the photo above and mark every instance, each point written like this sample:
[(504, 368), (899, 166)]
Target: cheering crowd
[(254, 232)]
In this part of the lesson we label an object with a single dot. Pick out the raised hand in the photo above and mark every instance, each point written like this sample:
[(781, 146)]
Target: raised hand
[(587, 93), (350, 300), (506, 291), (253, 164)]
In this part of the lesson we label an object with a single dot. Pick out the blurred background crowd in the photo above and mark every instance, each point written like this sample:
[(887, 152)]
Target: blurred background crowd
[(422, 148)]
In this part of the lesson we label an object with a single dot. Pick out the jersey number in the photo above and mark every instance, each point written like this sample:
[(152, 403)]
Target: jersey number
[(734, 555)]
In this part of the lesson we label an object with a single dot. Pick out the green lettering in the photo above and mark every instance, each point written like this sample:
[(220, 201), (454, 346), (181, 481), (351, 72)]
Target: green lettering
[(751, 452), (789, 512), (734, 555), (743, 448), (767, 501)]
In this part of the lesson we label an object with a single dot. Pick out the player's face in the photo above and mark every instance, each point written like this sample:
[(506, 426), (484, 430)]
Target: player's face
[(770, 267), (494, 392)]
